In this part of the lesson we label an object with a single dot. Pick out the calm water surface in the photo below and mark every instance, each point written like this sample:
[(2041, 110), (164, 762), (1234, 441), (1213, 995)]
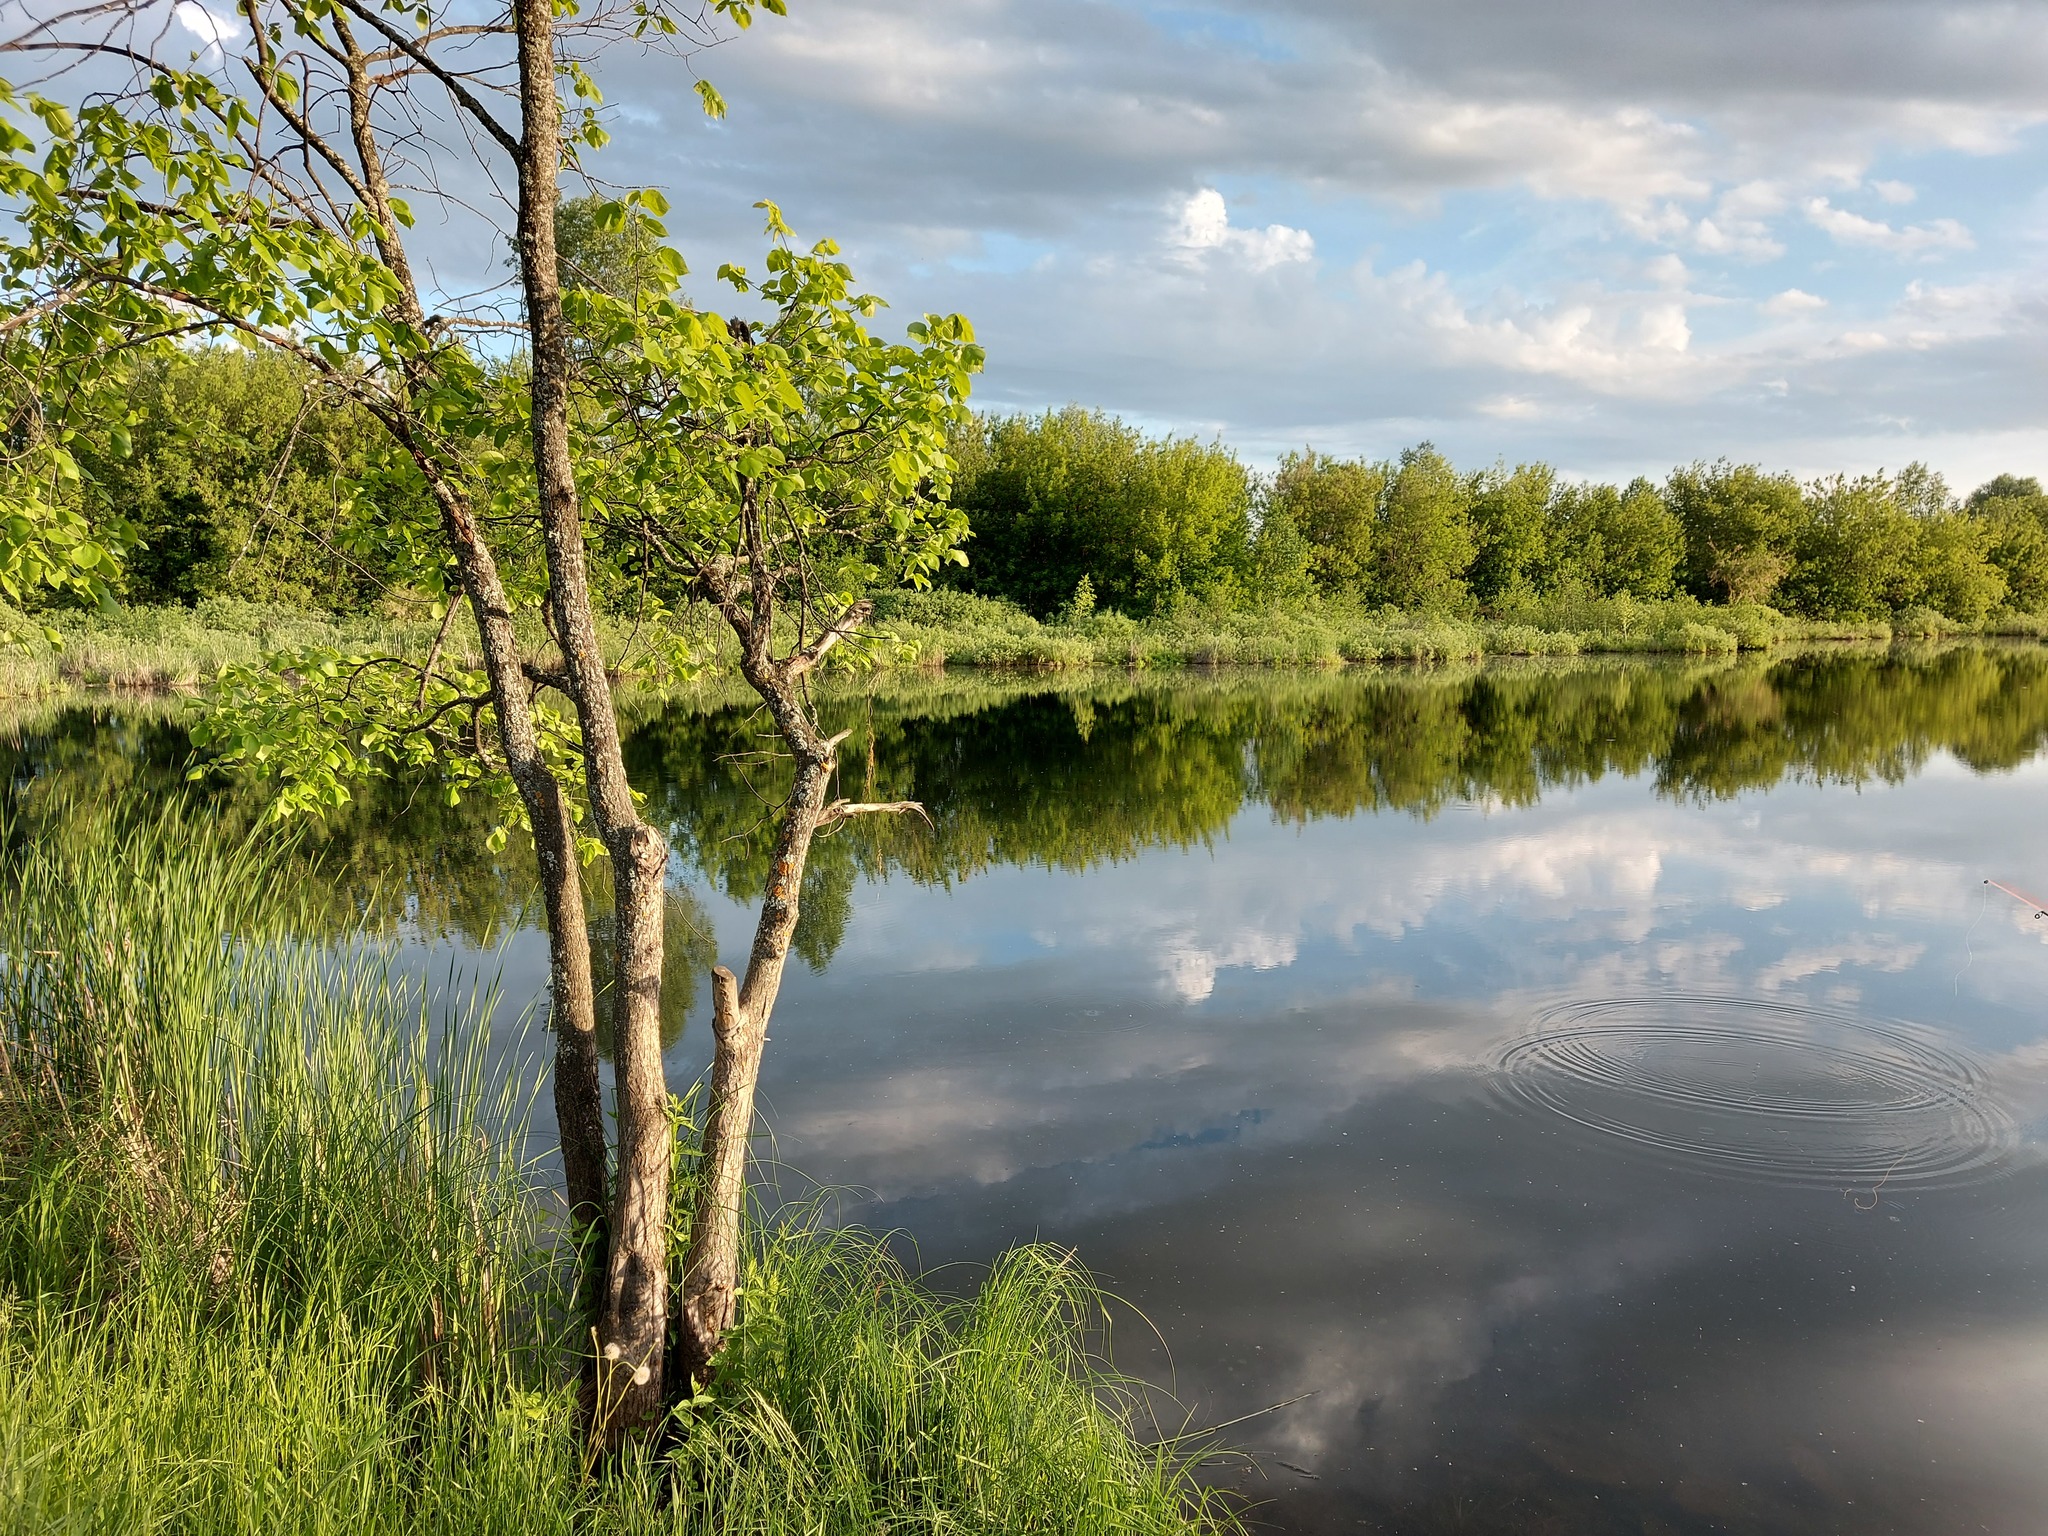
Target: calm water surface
[(1612, 1094)]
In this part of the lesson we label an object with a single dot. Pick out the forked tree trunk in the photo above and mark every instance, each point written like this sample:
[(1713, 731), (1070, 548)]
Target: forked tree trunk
[(739, 1021), (633, 1320)]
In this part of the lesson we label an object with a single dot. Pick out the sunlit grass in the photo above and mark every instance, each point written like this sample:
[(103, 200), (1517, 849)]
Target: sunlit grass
[(168, 649), (267, 1265)]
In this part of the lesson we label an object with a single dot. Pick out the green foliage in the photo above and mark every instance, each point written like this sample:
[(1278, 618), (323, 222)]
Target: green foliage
[(134, 226), (1877, 545), (1075, 493), (1952, 569), (1854, 551), (840, 438), (1283, 562), (1615, 542), (1511, 521), (315, 720), (1334, 505), (614, 248), (240, 475), (2016, 511), (1739, 524), (1425, 542), (860, 1402)]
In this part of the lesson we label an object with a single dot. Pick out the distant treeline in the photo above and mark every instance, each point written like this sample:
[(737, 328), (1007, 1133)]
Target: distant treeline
[(235, 471), (1074, 497)]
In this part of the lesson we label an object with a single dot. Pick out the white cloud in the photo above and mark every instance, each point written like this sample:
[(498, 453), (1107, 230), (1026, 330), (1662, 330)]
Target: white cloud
[(1846, 228), (1800, 964), (1534, 160), (212, 30), (1205, 226), (1668, 271), (1793, 301), (1740, 225), (1189, 968), (1601, 338)]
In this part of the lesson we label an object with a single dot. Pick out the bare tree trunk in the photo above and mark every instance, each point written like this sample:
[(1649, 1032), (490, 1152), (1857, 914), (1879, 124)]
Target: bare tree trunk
[(579, 1099), (632, 1325), (740, 1023), (579, 1096)]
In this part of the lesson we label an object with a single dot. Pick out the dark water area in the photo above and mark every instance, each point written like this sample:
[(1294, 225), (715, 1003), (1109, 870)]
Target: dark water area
[(1609, 1097)]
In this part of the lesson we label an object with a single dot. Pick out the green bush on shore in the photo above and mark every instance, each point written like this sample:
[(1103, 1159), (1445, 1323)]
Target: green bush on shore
[(271, 1261)]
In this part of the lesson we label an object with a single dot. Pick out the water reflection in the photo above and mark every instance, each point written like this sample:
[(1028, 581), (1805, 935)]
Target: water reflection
[(1217, 979)]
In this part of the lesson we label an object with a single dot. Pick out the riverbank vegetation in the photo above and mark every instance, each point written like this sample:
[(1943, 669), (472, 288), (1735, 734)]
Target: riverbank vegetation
[(158, 649), (272, 1260), (257, 511)]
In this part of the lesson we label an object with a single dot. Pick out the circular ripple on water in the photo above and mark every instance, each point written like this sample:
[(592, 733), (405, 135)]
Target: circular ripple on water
[(1758, 1090)]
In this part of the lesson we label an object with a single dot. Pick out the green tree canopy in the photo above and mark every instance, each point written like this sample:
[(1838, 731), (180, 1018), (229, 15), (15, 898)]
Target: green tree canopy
[(1077, 493), (1739, 523), (1425, 541), (1615, 541), (246, 475), (1512, 526), (1334, 504)]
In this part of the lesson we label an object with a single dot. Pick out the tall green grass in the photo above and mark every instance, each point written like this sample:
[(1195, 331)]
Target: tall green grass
[(958, 629), (269, 1264)]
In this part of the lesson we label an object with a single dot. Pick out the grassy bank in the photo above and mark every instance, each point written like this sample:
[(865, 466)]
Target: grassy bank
[(954, 629), (268, 1264), (164, 649)]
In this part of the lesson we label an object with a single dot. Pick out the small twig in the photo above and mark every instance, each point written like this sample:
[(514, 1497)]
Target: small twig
[(840, 810), (1243, 1418)]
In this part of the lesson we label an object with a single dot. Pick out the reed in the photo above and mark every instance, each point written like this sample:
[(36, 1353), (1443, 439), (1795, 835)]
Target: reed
[(270, 1262)]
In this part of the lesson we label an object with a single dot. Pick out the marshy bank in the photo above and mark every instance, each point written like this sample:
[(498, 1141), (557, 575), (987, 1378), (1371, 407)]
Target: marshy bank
[(144, 649), (269, 1263)]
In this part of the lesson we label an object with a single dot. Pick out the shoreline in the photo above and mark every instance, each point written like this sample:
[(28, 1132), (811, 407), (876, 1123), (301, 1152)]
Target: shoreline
[(167, 653)]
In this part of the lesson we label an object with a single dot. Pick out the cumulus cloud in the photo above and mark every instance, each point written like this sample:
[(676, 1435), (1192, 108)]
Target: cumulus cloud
[(1847, 228), (212, 30), (1205, 226), (1604, 339), (1793, 301)]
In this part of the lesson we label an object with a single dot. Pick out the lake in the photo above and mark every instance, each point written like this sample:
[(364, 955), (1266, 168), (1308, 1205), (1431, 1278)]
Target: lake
[(1591, 1097)]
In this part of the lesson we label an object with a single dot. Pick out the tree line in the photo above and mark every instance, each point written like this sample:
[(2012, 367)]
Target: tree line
[(238, 475), (1076, 500)]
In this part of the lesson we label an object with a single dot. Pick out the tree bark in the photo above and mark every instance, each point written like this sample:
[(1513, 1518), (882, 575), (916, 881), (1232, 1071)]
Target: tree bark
[(740, 1024), (632, 1323), (579, 1097)]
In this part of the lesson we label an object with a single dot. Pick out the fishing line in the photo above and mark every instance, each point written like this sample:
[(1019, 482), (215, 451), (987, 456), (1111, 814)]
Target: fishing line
[(1970, 954)]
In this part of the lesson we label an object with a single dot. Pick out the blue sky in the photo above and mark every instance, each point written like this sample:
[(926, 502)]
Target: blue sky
[(1613, 234)]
